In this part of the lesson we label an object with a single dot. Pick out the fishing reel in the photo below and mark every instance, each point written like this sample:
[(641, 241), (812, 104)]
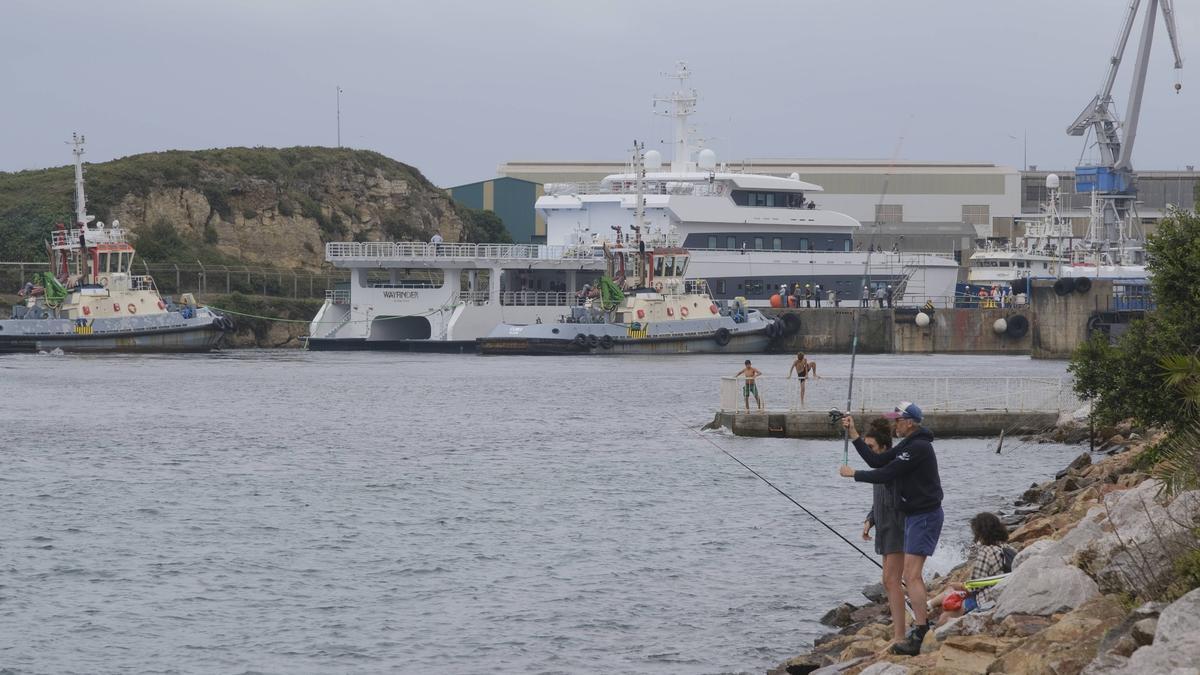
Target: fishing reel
[(835, 416)]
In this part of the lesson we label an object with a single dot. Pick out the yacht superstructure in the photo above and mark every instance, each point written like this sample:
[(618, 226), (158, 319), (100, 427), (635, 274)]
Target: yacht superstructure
[(748, 234)]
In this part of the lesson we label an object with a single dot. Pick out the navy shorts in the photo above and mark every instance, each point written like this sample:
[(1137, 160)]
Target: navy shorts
[(921, 532)]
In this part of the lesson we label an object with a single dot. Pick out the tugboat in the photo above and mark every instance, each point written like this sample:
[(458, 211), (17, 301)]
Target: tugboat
[(656, 310), (90, 300)]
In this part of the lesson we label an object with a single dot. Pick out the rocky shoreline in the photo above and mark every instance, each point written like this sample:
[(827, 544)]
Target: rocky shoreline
[(1099, 550)]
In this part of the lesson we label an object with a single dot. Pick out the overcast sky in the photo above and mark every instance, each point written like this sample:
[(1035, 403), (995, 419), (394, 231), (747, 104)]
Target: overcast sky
[(455, 87)]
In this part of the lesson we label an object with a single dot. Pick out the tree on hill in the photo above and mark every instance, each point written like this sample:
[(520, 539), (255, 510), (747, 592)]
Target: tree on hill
[(485, 227)]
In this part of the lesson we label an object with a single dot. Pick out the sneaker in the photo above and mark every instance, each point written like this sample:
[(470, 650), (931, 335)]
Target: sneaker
[(910, 647)]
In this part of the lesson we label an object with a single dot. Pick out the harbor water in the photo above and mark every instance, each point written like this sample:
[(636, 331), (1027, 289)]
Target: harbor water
[(284, 512)]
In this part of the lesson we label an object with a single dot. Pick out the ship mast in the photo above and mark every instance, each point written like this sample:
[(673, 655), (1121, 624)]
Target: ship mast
[(680, 104), (81, 216)]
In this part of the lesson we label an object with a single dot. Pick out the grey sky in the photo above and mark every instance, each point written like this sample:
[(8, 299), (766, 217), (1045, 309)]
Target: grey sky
[(455, 88)]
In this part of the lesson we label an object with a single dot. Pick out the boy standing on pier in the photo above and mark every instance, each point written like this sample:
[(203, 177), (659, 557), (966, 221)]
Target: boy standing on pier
[(750, 372)]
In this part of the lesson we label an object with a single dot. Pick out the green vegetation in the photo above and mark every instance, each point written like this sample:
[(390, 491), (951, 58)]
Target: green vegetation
[(31, 202), (276, 308), (485, 227)]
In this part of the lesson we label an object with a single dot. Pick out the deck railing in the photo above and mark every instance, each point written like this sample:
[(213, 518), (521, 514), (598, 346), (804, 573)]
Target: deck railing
[(383, 250), (932, 394)]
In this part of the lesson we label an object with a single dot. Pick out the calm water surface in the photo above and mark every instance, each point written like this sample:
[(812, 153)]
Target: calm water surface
[(297, 512)]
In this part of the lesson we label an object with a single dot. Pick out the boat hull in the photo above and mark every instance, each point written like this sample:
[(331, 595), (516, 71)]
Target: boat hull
[(365, 345), (169, 334), (745, 343)]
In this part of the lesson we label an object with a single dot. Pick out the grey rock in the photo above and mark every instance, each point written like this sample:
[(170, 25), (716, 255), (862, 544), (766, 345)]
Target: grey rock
[(875, 592), (840, 616), (1150, 609), (1044, 588), (1143, 631), (885, 668), (1176, 647), (975, 623), (1106, 664), (840, 667), (1030, 551), (1080, 462)]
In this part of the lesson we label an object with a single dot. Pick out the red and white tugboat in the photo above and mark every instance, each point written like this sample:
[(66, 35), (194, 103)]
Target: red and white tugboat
[(91, 301)]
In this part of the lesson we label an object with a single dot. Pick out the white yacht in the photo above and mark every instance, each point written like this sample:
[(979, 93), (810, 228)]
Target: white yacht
[(748, 234), (1049, 248)]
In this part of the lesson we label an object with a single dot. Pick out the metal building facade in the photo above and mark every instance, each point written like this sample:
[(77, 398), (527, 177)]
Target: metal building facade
[(510, 198)]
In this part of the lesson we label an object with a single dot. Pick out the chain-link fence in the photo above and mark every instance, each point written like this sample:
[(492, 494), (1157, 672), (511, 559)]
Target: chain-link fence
[(204, 280)]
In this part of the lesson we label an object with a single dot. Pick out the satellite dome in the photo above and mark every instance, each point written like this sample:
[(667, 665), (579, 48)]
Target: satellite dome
[(653, 160), (1052, 181), (794, 176), (707, 159)]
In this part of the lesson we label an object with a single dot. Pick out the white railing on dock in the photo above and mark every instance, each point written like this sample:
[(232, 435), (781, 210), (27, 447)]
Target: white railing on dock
[(384, 250), (932, 394)]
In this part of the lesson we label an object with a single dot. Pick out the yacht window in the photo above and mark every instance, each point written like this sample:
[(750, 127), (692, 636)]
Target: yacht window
[(1004, 263), (730, 243), (770, 199), (720, 287), (758, 243), (846, 245), (658, 267), (777, 244), (803, 244), (102, 266), (680, 266), (712, 241)]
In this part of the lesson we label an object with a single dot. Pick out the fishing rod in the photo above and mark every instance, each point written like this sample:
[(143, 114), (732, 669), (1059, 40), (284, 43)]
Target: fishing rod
[(866, 286)]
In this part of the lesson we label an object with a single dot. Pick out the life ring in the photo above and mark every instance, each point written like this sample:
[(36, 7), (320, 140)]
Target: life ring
[(592, 341), (713, 308), (683, 311), (1018, 325), (1083, 284), (606, 342), (658, 286), (580, 340), (722, 336), (1064, 286), (132, 308)]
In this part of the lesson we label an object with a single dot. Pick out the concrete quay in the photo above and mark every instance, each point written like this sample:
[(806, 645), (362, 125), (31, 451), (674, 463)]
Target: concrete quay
[(817, 424), (1054, 326)]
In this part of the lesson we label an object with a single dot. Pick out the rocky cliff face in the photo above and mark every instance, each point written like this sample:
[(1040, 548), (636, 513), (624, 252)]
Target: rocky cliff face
[(254, 206)]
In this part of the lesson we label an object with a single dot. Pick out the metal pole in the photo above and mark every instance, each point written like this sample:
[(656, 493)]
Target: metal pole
[(339, 116)]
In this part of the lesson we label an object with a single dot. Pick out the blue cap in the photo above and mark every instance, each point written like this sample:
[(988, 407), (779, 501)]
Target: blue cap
[(905, 410)]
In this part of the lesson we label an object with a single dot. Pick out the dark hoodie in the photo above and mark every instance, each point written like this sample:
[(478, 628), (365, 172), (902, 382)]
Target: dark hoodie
[(913, 467)]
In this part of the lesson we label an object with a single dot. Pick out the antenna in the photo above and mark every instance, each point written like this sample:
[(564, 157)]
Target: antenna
[(339, 115), (681, 103), (81, 216)]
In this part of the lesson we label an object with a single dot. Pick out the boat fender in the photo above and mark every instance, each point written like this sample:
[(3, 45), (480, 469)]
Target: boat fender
[(606, 342), (683, 311), (162, 305), (670, 312), (722, 336), (1083, 285), (104, 281), (132, 308), (658, 286), (581, 339), (641, 313), (87, 310), (592, 341), (1018, 326), (791, 324), (713, 308), (116, 306), (1064, 286)]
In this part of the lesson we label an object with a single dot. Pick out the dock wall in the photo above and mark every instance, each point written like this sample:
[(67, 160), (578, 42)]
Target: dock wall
[(1055, 325)]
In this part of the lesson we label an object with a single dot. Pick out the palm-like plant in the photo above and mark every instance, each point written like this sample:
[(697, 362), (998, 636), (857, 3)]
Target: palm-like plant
[(1179, 454)]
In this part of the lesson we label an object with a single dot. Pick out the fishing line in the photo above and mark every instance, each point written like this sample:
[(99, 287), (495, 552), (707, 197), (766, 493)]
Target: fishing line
[(776, 488)]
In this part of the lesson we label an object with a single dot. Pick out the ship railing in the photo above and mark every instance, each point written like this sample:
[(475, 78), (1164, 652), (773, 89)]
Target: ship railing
[(696, 286), (93, 235), (353, 250), (337, 296), (933, 394), (142, 282), (629, 187), (537, 299)]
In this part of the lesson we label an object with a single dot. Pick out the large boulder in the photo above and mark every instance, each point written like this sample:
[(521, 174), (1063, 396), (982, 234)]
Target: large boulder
[(972, 653), (1176, 647), (1043, 586), (1066, 646), (885, 668)]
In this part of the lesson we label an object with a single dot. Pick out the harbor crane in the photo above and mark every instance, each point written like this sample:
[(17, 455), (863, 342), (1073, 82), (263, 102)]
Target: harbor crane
[(1113, 179)]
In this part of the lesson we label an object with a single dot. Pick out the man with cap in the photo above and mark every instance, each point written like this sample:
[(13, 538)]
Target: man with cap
[(912, 465)]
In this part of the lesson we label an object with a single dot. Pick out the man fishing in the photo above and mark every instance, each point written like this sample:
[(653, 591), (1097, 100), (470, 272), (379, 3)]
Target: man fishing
[(912, 465)]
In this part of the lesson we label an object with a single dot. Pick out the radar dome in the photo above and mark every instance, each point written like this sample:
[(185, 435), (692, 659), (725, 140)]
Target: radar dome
[(794, 176), (1052, 181), (653, 160), (707, 159)]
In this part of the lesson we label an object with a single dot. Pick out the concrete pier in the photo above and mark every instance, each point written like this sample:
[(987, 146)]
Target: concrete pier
[(817, 425)]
